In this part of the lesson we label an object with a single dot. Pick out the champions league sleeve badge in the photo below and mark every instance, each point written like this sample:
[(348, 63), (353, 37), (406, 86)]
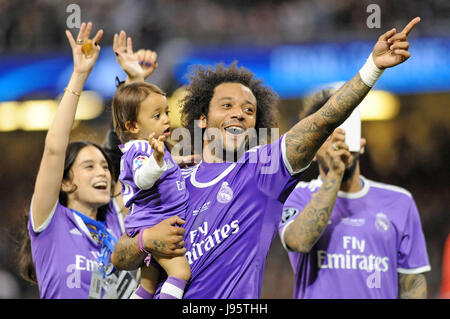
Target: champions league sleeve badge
[(288, 213), (225, 193)]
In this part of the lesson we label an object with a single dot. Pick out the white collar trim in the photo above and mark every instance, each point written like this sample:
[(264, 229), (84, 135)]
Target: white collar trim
[(215, 180), (83, 227), (361, 193)]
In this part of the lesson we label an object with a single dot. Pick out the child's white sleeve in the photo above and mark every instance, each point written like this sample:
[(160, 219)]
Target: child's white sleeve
[(147, 175)]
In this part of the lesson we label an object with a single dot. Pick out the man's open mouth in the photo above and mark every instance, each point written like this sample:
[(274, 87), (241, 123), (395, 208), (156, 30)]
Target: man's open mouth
[(235, 130)]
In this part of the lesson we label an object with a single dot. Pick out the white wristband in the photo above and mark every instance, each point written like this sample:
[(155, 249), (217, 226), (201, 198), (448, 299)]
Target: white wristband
[(370, 73)]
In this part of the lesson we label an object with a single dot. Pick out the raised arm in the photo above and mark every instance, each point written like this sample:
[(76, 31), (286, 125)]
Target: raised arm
[(50, 174), (412, 286), (304, 139), (308, 226), (138, 66)]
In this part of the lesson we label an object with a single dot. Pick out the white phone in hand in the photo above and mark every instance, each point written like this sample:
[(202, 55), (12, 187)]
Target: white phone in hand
[(352, 128)]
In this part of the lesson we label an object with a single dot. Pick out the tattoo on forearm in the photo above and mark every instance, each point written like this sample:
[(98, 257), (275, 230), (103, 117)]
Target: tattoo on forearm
[(412, 286), (127, 255), (309, 225), (304, 139)]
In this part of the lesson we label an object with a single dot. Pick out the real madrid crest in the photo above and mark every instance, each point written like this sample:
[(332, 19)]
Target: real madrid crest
[(382, 222), (225, 193)]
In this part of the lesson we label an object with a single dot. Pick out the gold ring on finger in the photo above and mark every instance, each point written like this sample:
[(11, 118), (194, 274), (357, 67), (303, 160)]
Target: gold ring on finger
[(80, 42)]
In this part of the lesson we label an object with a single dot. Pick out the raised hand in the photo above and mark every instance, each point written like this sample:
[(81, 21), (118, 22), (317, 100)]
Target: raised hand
[(392, 48), (158, 148), (84, 62), (137, 65), (337, 152)]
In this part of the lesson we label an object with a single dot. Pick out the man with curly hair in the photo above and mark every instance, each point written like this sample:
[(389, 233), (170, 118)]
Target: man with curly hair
[(235, 206)]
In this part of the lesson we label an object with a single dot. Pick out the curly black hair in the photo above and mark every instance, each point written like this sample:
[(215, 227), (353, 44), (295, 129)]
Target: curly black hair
[(204, 80)]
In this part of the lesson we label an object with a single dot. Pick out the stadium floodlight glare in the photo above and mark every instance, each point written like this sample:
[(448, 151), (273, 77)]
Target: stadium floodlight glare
[(36, 115), (379, 106), (90, 106), (8, 116)]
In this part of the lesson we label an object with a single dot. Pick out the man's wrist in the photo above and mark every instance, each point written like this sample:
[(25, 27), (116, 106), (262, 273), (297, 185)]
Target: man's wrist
[(335, 174), (370, 73), (147, 239)]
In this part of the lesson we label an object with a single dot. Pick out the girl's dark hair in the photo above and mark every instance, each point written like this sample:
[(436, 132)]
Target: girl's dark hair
[(25, 260), (204, 80), (125, 105), (24, 256)]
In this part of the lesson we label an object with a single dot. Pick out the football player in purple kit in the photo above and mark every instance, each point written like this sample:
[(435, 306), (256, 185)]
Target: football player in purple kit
[(152, 184), (235, 207), (349, 237)]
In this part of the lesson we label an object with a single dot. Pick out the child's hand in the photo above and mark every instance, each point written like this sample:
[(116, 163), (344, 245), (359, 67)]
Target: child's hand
[(158, 148)]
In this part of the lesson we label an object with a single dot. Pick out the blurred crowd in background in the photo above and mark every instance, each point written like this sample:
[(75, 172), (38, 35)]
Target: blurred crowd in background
[(411, 151), (38, 23)]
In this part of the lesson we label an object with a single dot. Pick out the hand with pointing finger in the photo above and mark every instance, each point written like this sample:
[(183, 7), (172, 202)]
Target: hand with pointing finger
[(392, 47)]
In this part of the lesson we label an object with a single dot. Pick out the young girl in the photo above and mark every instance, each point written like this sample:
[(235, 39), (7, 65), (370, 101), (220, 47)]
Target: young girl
[(153, 187), (73, 221)]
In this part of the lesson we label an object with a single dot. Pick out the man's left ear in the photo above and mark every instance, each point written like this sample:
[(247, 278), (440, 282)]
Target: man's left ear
[(201, 123), (363, 146)]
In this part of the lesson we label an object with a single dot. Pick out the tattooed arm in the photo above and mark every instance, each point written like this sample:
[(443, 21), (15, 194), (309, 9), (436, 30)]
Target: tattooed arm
[(164, 239), (305, 138), (412, 286), (308, 226), (303, 233)]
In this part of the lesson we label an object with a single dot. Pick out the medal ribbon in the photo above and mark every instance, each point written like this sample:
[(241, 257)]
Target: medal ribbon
[(107, 241)]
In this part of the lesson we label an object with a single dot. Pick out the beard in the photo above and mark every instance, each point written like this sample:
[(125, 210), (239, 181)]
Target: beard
[(233, 154), (349, 171), (226, 150)]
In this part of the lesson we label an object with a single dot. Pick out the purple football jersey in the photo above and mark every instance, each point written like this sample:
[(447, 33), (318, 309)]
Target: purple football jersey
[(65, 254), (167, 197), (233, 215), (371, 237)]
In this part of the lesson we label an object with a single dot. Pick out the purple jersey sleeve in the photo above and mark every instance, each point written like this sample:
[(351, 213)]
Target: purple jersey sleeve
[(412, 251), (295, 203), (135, 154), (273, 173)]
